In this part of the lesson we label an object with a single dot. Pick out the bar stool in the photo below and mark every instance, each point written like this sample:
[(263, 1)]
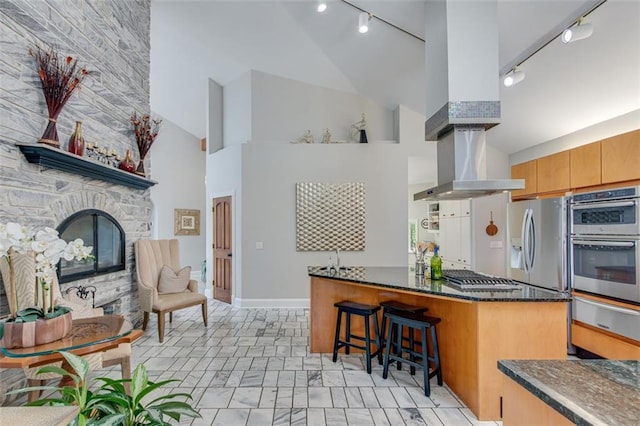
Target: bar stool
[(395, 306), (420, 322), (365, 311)]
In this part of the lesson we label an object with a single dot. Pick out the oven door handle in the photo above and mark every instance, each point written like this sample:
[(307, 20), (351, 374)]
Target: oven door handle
[(602, 243), (607, 306), (598, 205)]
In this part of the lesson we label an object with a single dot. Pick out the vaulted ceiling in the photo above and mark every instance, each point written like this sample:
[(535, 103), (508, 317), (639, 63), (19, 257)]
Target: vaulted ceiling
[(568, 87)]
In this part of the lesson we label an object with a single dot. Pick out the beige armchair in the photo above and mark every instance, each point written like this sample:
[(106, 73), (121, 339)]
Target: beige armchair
[(151, 256)]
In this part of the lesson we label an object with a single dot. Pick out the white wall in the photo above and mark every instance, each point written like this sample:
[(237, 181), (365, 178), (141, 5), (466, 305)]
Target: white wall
[(180, 186), (215, 115), (489, 255), (236, 117), (284, 109), (622, 124)]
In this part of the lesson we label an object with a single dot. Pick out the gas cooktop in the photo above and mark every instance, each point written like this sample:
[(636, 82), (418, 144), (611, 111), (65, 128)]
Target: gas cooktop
[(472, 281)]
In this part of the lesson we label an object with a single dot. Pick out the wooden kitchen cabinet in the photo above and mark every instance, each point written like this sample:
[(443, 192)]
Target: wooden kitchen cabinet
[(620, 157), (553, 173), (528, 172), (585, 166)]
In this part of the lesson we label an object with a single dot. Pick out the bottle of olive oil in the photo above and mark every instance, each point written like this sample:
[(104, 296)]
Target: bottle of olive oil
[(436, 265)]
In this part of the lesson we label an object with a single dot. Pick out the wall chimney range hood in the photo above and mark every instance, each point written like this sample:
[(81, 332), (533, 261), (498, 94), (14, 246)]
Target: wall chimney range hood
[(461, 54)]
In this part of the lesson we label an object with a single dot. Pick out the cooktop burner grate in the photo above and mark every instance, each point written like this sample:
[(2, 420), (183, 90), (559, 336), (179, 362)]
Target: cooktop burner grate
[(469, 280)]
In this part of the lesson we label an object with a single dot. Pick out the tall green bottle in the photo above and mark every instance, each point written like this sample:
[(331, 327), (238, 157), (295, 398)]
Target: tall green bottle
[(436, 265)]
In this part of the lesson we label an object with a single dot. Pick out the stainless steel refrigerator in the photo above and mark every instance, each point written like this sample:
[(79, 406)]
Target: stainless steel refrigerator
[(538, 246), (538, 242)]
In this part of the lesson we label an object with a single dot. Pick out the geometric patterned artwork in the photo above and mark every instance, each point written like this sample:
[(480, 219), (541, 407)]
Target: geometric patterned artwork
[(330, 216)]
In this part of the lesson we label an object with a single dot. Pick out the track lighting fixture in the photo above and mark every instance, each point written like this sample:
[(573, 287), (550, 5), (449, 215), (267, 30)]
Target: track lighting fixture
[(577, 32), (363, 22), (322, 6), (513, 78)]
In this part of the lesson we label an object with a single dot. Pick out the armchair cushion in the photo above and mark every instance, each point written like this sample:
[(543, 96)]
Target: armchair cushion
[(173, 282)]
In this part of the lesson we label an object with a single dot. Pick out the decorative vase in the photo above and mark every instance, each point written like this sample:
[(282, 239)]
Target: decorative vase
[(140, 169), (363, 136), (34, 333), (127, 164), (76, 142), (50, 135)]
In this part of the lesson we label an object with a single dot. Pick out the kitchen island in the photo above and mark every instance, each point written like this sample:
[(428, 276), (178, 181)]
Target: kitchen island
[(582, 392), (478, 328)]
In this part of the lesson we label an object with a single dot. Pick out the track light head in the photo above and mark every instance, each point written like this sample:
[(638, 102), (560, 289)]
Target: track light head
[(513, 78), (363, 22), (322, 6), (577, 32)]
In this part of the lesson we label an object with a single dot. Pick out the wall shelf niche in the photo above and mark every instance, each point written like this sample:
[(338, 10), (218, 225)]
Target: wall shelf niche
[(58, 159)]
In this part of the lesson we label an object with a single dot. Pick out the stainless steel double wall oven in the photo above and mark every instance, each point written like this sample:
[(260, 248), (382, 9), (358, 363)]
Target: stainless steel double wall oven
[(604, 257)]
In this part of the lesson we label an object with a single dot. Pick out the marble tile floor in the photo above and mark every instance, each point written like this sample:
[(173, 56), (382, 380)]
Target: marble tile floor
[(253, 367)]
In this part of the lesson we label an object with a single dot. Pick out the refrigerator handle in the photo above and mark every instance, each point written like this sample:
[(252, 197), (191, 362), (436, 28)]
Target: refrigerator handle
[(523, 240), (532, 239)]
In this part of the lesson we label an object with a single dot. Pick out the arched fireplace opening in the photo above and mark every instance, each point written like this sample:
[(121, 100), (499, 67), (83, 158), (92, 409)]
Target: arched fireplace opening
[(100, 230)]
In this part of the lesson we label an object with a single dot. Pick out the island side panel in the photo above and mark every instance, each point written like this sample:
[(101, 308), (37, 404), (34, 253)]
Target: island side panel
[(515, 330), (457, 333), (521, 408)]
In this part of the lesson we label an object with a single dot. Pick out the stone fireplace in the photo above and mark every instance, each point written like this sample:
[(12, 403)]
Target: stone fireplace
[(111, 39)]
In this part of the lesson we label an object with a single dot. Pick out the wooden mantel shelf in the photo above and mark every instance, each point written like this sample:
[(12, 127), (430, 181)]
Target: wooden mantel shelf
[(55, 158)]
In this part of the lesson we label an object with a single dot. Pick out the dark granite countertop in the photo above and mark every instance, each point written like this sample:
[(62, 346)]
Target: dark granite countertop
[(587, 392), (401, 278)]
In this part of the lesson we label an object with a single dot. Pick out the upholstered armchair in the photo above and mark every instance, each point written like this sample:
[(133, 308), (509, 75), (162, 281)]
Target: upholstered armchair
[(25, 276), (162, 285)]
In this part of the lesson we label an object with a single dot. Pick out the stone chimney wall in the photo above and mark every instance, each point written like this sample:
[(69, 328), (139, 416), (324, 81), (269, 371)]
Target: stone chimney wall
[(110, 38)]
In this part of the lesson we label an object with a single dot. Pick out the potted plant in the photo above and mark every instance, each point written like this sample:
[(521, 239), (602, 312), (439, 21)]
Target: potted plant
[(32, 304), (109, 403)]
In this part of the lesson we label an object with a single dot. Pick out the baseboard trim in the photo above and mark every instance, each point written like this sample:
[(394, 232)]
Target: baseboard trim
[(271, 303)]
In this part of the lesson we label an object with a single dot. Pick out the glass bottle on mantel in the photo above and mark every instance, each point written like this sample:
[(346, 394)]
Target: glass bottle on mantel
[(76, 141), (436, 265), (127, 164)]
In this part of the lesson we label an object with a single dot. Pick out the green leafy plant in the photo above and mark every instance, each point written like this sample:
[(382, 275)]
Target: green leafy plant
[(110, 404)]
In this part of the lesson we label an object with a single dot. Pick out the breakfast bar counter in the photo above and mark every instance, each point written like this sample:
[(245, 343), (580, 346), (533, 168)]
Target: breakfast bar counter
[(478, 328)]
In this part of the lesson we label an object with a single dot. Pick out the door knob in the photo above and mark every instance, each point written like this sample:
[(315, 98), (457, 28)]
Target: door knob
[(229, 255)]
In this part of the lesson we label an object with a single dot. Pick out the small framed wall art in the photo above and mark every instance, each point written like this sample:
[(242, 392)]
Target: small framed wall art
[(186, 222)]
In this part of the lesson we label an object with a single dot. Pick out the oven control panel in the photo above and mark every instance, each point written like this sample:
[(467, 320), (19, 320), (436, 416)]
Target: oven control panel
[(606, 195)]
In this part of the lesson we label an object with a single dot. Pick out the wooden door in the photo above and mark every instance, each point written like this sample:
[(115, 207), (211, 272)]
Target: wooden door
[(222, 254), (585, 165)]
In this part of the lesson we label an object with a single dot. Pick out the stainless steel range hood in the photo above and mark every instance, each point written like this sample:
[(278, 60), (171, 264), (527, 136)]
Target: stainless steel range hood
[(461, 56), (462, 167)]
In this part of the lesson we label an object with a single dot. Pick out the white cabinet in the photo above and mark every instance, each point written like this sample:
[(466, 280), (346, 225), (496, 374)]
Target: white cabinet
[(455, 208), (433, 217), (455, 234)]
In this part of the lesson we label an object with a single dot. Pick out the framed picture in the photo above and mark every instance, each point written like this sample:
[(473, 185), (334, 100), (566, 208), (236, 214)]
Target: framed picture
[(186, 222)]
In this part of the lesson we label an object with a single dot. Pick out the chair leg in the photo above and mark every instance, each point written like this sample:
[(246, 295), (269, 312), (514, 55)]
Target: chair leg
[(145, 320), (367, 343), (204, 313), (436, 354), (34, 394), (336, 337), (170, 317), (425, 361), (125, 367), (387, 348), (161, 326), (379, 338), (347, 334)]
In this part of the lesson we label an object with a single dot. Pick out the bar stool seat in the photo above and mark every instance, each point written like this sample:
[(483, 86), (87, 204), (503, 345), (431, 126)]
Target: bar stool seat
[(366, 311), (398, 320)]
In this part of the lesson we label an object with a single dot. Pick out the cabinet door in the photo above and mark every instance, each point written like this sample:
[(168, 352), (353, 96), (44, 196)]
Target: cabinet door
[(449, 208), (620, 157), (465, 208), (585, 165), (553, 172), (465, 241), (528, 172), (449, 238)]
